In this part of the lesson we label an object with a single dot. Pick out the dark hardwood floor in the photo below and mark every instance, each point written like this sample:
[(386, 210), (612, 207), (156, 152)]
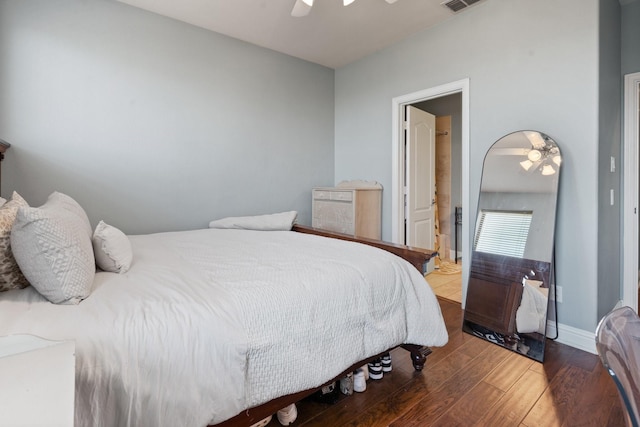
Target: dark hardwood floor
[(472, 382)]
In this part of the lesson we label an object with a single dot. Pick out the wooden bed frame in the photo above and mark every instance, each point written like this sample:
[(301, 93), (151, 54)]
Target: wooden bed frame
[(416, 256)]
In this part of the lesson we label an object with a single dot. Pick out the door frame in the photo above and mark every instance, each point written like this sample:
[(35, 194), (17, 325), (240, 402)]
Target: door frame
[(631, 177), (398, 166)]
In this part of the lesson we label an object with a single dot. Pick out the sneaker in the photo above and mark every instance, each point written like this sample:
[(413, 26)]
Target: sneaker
[(328, 394), (359, 381), (375, 370), (346, 384), (263, 422), (386, 363), (288, 414), (365, 368)]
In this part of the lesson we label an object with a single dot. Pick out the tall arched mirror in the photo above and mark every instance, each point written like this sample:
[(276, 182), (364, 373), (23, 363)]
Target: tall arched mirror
[(511, 269)]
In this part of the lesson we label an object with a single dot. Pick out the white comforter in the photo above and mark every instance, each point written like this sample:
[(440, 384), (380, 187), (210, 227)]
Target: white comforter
[(207, 323)]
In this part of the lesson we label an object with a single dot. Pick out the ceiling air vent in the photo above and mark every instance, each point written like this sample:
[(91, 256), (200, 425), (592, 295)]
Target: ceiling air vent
[(458, 5)]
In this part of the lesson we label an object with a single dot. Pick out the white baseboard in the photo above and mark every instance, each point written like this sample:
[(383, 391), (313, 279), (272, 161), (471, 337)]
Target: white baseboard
[(573, 337)]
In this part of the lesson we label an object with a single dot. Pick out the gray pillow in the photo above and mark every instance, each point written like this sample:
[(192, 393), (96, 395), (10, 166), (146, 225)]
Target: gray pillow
[(52, 246)]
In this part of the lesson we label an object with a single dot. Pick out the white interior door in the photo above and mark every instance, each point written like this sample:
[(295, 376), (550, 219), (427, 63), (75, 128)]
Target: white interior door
[(420, 178)]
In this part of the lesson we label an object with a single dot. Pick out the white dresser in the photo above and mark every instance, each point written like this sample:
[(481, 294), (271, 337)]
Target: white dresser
[(37, 381), (352, 207)]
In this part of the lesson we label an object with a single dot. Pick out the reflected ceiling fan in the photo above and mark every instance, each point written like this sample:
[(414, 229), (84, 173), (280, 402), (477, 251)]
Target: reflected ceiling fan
[(303, 7), (541, 156)]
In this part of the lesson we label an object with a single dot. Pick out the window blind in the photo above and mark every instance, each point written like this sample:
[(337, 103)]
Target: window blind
[(503, 232)]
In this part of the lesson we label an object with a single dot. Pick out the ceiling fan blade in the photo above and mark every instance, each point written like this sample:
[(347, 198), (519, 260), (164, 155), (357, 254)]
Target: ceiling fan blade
[(303, 7), (300, 8), (510, 151)]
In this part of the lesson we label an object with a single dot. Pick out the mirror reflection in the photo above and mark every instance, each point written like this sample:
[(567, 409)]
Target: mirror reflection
[(512, 259)]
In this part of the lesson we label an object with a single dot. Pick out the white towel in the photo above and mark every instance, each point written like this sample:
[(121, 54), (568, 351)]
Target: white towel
[(532, 313), (273, 222)]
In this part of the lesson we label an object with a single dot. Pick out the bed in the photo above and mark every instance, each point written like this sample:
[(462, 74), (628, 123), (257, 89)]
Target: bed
[(225, 326)]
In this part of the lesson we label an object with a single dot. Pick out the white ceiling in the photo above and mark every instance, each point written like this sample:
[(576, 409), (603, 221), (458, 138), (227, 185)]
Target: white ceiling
[(332, 35)]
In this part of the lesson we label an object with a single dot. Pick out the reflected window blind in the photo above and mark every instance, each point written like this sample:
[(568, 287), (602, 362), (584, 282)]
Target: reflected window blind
[(503, 232)]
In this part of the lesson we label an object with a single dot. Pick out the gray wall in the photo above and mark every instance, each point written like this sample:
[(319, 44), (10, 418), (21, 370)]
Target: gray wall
[(610, 141), (532, 64), (630, 24), (153, 124)]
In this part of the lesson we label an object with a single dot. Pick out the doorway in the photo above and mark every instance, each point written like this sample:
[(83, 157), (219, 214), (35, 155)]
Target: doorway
[(631, 186), (461, 90)]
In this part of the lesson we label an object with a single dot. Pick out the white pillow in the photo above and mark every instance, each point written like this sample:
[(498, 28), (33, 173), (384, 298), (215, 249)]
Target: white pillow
[(282, 221), (53, 249), (111, 248)]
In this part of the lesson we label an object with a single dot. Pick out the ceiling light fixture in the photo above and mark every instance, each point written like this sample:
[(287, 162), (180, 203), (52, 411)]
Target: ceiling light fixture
[(541, 156), (303, 7), (534, 155)]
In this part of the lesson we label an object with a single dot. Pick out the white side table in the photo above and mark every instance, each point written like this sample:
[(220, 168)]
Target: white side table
[(37, 381)]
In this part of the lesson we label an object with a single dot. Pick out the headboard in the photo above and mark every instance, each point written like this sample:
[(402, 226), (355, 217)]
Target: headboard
[(4, 145)]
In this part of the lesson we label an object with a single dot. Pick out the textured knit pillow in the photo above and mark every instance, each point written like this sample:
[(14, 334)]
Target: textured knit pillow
[(111, 248), (10, 275), (53, 249), (67, 203)]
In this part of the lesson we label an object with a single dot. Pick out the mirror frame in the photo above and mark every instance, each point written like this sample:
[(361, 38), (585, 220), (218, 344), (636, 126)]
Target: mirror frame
[(500, 283)]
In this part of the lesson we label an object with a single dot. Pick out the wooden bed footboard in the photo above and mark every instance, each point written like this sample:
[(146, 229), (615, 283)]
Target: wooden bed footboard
[(415, 256)]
